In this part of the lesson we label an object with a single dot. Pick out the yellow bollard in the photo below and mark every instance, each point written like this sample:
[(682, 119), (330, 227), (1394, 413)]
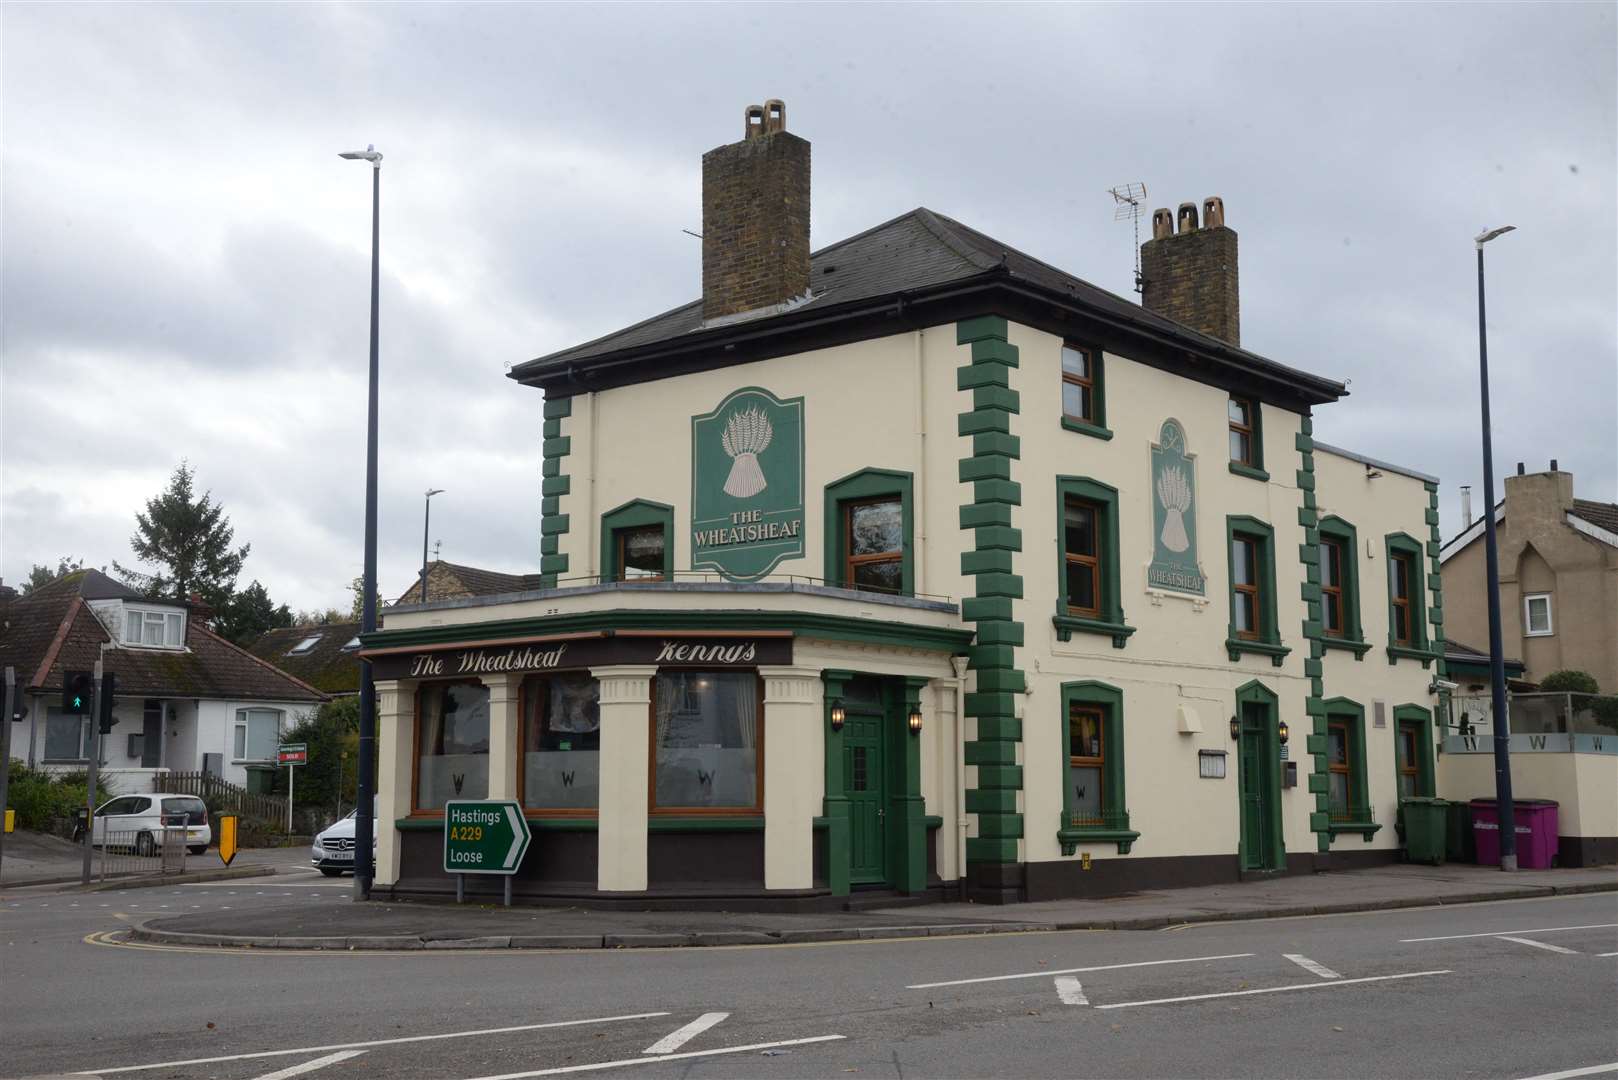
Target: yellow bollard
[(227, 837)]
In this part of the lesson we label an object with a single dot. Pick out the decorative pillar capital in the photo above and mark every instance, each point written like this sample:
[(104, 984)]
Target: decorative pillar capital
[(789, 685), (627, 684)]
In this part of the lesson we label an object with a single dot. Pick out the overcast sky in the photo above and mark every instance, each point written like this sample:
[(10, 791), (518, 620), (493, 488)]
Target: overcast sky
[(185, 266)]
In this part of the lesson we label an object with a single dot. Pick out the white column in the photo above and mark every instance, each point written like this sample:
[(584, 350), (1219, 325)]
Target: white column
[(395, 748), (626, 702), (503, 722), (794, 774)]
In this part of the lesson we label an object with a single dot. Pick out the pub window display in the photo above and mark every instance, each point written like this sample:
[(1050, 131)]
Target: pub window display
[(452, 744), (705, 741), (561, 742)]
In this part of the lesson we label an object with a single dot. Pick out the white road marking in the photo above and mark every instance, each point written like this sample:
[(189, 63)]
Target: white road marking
[(311, 1066), (1075, 971), (1540, 945), (1502, 933), (1607, 954), (1273, 989), (680, 1036), (1070, 990), (599, 1065), (287, 885), (1309, 965), (370, 1043), (1569, 1074)]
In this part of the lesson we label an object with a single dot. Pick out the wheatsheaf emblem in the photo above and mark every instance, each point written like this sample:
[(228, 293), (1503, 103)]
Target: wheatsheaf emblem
[(1175, 495), (747, 434)]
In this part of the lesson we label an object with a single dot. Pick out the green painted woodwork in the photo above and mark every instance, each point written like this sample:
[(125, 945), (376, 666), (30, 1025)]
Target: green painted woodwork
[(1353, 635), (1268, 642), (1113, 826), (1238, 469), (834, 803), (1417, 648), (1262, 844), (1359, 818), (635, 514), (1421, 718), (1111, 623), (1095, 428), (865, 778), (861, 486)]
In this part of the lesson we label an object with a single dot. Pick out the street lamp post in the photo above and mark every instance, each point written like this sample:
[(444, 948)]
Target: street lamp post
[(1497, 661), (364, 807), (426, 520)]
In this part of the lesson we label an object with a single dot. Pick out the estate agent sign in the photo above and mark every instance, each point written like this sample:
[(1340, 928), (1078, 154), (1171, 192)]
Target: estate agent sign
[(1174, 563), (747, 484)]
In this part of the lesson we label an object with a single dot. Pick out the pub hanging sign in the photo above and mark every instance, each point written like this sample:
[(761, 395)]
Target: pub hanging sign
[(1174, 566), (461, 662), (747, 484)]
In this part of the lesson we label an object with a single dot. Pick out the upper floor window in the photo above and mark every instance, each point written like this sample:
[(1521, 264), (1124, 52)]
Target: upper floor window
[(1248, 599), (1082, 553), (1407, 600), (1246, 437), (1084, 406), (1536, 615), (1332, 614), (1339, 587), (637, 542), (1402, 572), (640, 552), (1254, 627), (154, 628), (868, 532), (1087, 543)]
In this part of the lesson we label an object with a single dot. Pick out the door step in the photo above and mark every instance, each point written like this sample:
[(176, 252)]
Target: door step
[(1259, 875), (885, 898)]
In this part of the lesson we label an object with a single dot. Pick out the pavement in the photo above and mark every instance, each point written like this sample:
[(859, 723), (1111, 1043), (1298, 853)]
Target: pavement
[(33, 858), (411, 926)]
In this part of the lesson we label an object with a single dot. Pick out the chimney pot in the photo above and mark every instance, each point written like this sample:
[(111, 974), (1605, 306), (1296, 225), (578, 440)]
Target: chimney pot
[(1188, 217), (1162, 224), (1553, 465), (1520, 470), (1213, 212), (755, 217), (1190, 276)]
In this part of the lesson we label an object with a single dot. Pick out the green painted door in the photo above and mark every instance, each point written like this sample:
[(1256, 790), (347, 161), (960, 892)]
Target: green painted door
[(1260, 798), (865, 779)]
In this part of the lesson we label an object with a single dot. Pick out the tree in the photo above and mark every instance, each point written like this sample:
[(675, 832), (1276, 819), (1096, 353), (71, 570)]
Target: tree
[(43, 575), (1569, 682), (189, 540), (248, 614), (327, 782), (357, 587)]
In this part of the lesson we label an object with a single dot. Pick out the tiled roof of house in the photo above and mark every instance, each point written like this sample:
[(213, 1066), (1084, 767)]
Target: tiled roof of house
[(53, 630), (451, 581), (329, 665), (917, 251), (1600, 514), (1457, 652)]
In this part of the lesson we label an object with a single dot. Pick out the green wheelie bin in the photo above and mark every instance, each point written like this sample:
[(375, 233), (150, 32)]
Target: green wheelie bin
[(1426, 822)]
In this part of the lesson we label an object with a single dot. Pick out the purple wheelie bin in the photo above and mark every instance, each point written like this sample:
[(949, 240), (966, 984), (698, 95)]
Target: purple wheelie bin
[(1536, 828)]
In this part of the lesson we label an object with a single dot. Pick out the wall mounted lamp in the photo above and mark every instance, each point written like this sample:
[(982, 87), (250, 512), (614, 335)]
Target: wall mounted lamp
[(1235, 728), (1283, 731), (838, 715), (915, 720)]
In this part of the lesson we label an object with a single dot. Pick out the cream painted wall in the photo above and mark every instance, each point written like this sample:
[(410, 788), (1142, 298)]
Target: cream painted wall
[(1390, 503), (1585, 786)]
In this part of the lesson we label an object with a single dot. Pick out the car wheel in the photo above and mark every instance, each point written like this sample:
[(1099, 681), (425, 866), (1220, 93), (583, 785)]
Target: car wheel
[(329, 872), (144, 845), (199, 849)]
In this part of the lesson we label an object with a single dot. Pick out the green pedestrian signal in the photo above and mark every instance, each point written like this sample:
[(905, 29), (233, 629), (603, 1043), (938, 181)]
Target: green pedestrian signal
[(76, 687)]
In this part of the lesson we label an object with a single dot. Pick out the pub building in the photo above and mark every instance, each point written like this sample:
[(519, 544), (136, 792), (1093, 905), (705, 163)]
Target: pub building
[(916, 567)]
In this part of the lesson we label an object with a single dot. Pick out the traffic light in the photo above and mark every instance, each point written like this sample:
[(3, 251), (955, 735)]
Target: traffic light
[(109, 687), (19, 711), (76, 686)]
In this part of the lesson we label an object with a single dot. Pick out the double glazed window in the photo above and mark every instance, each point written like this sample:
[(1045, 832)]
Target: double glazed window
[(1243, 432), (257, 734), (1344, 785), (1339, 587), (1536, 610), (1332, 584), (452, 743), (1081, 553), (1401, 571), (1078, 384), (154, 629), (873, 539), (637, 542), (67, 736), (1086, 764), (1093, 806), (707, 742), (561, 742), (1413, 749), (1247, 590), (1253, 623), (1408, 748), (641, 550), (1407, 629)]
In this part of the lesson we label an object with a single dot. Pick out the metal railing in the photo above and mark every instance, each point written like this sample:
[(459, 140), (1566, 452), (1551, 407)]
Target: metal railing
[(267, 810), (696, 577), (142, 852)]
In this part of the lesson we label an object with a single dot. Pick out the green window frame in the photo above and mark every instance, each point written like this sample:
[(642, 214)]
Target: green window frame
[(1111, 826), (865, 486), (1406, 547), (1419, 718), (1352, 638), (1357, 817), (1104, 500), (1095, 425), (1253, 467), (635, 514), (1268, 640)]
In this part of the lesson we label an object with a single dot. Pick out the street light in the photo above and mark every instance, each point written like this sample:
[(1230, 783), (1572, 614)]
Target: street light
[(1497, 662), (426, 517), (364, 802)]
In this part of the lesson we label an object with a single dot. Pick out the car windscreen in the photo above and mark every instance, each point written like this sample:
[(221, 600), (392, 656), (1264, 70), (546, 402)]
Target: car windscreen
[(195, 811)]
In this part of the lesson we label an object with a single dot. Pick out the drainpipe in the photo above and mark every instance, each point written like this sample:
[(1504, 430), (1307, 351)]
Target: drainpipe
[(959, 664), (919, 497)]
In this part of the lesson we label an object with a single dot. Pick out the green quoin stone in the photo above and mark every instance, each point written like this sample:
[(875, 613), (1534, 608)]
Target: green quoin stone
[(980, 850), (987, 703), (986, 562), (1318, 783), (550, 505), (556, 485), (552, 429), (1000, 825), (969, 378), (991, 802), (1312, 667), (1323, 803), (988, 467), (553, 564), (980, 328), (550, 467), (1000, 632), (1307, 517), (1317, 823), (556, 408), (974, 515), (556, 447), (547, 581), (992, 754), (1000, 585), (1316, 744), (990, 351), (1303, 442), (997, 682), (997, 397), (995, 442), (991, 656), (1010, 539), (1307, 425), (999, 728), (1000, 776), (557, 523), (997, 491), (978, 608), (1306, 479), (549, 545), (983, 420)]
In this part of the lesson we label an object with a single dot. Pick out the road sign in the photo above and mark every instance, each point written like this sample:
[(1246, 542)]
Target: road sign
[(227, 837), (486, 837), (293, 753)]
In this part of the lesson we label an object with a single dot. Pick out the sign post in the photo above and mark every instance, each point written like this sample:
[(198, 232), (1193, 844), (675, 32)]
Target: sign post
[(291, 754), (487, 836), (227, 837)]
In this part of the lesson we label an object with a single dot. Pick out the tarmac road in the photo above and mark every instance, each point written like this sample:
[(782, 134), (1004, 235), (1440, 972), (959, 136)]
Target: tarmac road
[(1388, 994)]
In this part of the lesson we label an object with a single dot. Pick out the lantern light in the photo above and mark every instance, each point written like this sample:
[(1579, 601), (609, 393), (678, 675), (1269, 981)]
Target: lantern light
[(1283, 731), (915, 719), (1235, 728), (838, 715)]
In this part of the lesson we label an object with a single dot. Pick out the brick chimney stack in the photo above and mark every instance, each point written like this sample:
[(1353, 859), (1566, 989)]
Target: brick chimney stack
[(1190, 274), (755, 217)]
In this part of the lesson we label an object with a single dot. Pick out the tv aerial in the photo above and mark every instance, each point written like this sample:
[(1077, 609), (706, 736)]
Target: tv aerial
[(1130, 204)]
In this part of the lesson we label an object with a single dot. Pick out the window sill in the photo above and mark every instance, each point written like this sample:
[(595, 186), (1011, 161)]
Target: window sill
[(1365, 828), (1068, 625), (65, 761), (1084, 427), (1406, 652), (1072, 836), (1357, 647), (1238, 469), (1277, 652)]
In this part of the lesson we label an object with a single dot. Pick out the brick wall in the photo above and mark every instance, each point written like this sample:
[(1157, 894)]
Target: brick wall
[(755, 223), (1191, 278)]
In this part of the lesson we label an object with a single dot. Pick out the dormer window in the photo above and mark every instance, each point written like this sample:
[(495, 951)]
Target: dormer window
[(304, 646), (150, 628)]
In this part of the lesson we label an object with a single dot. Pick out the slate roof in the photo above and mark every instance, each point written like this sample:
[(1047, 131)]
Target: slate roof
[(54, 629), (1603, 515), (919, 251), (449, 581), (326, 666), (1460, 653)]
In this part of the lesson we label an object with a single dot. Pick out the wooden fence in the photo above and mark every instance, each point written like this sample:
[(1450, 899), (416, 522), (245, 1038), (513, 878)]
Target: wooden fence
[(267, 810)]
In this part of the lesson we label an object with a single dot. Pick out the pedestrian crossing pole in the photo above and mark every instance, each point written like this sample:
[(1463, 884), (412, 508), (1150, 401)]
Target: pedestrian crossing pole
[(90, 784)]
